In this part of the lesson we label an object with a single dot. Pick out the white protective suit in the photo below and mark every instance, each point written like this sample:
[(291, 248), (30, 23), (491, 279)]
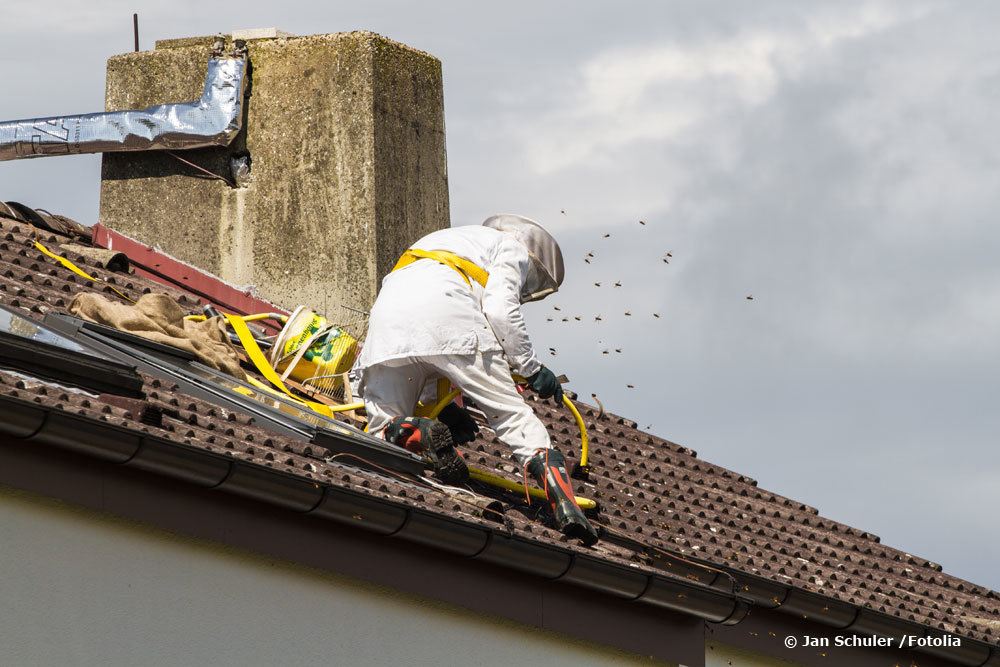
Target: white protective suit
[(428, 322)]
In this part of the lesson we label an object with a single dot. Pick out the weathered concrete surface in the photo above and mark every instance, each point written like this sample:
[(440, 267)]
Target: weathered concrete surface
[(346, 135)]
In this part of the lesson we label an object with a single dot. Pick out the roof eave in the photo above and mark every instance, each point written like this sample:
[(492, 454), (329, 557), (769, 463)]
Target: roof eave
[(50, 426)]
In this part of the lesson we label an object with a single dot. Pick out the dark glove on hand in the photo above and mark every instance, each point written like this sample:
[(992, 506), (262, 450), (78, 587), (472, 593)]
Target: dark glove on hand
[(546, 384), (461, 424)]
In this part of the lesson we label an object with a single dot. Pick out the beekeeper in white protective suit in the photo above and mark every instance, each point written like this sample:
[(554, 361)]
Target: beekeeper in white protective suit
[(451, 308)]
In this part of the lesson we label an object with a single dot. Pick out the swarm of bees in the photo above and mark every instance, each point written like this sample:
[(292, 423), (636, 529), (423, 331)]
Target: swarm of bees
[(590, 258)]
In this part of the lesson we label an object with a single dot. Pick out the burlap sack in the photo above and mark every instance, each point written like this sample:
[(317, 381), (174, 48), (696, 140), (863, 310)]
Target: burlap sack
[(159, 318)]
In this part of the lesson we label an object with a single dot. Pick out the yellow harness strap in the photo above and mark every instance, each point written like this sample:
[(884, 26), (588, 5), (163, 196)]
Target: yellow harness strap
[(465, 268), (78, 271)]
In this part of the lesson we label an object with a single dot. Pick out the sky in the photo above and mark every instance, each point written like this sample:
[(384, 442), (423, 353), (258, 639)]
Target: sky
[(838, 162)]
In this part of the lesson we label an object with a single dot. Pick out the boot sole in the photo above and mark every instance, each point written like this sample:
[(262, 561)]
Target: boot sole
[(580, 532), (449, 466)]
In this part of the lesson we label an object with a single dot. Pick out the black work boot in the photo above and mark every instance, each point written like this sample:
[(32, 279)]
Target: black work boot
[(432, 440), (548, 467)]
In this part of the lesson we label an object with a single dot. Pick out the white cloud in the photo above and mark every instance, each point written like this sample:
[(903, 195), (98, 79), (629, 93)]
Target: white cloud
[(660, 92), (836, 168)]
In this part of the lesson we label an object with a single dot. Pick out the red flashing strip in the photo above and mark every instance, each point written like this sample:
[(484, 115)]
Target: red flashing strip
[(166, 270)]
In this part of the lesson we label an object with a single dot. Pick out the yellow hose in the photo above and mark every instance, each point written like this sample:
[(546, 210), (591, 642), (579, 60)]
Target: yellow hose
[(496, 480), (584, 440), (265, 316), (436, 409), (246, 318), (347, 408)]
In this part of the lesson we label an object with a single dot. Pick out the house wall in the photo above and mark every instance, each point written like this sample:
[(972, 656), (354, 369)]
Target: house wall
[(760, 639), (721, 655), (83, 588)]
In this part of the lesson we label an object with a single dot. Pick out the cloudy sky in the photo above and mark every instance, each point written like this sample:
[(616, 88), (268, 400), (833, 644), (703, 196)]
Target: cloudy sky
[(838, 161)]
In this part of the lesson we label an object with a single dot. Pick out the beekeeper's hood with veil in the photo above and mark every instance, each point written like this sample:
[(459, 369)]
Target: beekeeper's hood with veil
[(546, 257)]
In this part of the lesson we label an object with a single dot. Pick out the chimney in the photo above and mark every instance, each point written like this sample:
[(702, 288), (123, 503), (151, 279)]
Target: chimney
[(346, 146)]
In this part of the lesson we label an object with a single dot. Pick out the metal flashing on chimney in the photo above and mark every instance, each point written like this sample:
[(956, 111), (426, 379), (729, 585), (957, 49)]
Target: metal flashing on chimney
[(213, 120)]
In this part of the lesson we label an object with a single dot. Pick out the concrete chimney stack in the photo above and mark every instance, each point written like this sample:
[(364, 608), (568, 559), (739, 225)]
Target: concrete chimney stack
[(345, 135)]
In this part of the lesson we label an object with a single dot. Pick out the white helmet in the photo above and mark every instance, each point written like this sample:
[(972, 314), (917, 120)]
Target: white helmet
[(546, 257)]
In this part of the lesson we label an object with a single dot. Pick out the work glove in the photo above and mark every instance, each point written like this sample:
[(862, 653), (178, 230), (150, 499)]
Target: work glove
[(461, 424), (546, 384)]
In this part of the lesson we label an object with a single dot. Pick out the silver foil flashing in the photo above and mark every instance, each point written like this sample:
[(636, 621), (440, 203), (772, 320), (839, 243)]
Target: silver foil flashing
[(213, 120)]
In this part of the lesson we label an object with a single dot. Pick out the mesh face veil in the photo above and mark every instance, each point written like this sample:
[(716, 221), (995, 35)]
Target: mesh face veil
[(546, 257)]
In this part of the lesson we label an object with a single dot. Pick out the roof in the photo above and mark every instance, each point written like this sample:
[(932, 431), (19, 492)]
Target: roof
[(670, 516)]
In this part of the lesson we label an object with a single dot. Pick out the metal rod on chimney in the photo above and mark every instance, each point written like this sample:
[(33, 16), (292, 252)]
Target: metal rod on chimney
[(135, 30)]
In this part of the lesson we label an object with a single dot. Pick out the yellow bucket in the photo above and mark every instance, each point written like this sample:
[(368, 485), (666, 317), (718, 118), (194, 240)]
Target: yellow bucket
[(331, 349)]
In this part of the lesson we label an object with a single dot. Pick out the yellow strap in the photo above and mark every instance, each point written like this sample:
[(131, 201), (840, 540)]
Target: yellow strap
[(465, 268), (503, 483), (319, 408), (254, 353), (246, 318), (77, 270), (260, 363)]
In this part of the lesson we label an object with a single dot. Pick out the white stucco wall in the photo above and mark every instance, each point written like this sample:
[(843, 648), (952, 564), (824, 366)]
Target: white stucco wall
[(720, 655), (80, 588)]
